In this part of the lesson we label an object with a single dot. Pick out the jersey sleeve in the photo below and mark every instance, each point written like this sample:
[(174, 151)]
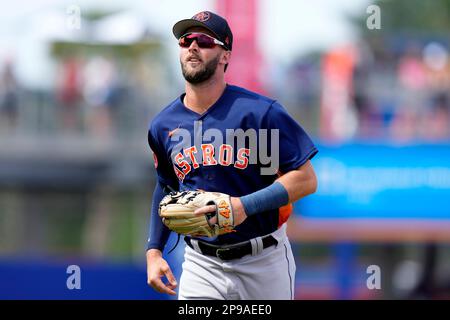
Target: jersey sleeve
[(163, 164), (158, 232), (295, 147)]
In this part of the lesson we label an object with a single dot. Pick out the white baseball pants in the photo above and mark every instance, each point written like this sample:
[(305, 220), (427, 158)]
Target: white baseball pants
[(268, 275)]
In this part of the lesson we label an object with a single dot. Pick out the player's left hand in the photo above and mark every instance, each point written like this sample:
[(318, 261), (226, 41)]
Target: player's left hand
[(238, 211)]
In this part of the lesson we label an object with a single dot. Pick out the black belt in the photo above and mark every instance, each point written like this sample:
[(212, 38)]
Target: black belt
[(232, 251)]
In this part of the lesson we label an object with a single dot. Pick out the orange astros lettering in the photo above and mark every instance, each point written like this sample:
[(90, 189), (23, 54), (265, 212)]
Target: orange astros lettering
[(186, 161)]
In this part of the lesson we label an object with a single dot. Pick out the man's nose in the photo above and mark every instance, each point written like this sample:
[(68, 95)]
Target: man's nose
[(194, 46)]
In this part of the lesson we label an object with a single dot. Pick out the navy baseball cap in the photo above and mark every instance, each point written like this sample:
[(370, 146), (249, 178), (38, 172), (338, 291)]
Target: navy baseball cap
[(208, 20)]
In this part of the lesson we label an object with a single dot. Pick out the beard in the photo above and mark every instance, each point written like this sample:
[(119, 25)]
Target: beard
[(201, 74)]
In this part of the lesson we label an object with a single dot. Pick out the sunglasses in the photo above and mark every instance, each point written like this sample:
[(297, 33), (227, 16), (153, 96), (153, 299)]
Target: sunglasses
[(204, 41)]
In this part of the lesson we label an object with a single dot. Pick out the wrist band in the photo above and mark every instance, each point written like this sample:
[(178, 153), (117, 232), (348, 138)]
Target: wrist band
[(269, 198)]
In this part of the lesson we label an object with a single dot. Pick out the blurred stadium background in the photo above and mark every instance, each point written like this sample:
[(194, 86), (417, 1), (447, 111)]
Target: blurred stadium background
[(76, 174)]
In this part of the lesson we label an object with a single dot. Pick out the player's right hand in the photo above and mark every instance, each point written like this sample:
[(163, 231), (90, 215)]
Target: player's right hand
[(157, 268)]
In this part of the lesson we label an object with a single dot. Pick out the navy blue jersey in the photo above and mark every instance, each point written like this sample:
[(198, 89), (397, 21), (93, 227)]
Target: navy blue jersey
[(231, 148)]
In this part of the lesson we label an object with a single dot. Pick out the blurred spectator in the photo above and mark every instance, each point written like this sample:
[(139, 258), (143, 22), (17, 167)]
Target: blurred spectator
[(99, 83), (403, 96), (9, 96), (436, 125), (69, 94)]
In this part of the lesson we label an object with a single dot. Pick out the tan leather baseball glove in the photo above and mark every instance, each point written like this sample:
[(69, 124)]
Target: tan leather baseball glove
[(177, 213)]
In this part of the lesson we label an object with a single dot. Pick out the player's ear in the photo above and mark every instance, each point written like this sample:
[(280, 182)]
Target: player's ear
[(225, 57)]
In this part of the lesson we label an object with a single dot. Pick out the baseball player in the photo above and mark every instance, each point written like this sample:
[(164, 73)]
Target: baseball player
[(194, 146)]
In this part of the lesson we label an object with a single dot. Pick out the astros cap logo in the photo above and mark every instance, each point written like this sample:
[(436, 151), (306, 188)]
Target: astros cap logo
[(202, 16)]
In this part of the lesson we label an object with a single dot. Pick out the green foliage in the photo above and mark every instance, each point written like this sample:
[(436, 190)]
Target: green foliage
[(94, 14), (120, 240)]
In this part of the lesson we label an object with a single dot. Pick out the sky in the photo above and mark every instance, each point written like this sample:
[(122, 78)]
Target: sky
[(288, 28)]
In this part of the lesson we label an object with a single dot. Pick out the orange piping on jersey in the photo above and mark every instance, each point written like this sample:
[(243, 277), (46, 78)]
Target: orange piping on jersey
[(172, 132), (284, 213)]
